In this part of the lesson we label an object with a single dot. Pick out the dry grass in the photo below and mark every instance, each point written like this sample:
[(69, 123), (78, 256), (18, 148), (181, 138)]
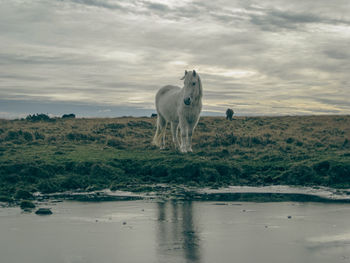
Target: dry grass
[(307, 132)]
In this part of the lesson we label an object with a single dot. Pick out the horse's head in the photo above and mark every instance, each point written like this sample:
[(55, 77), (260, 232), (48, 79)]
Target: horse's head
[(192, 87)]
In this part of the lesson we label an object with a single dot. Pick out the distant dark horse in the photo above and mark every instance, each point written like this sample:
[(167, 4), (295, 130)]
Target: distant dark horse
[(68, 116), (229, 114)]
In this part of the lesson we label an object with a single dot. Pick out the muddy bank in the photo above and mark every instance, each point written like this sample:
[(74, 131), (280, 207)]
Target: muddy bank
[(233, 193)]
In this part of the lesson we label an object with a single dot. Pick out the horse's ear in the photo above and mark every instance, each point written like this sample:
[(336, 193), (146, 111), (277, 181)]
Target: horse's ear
[(184, 75), (194, 73)]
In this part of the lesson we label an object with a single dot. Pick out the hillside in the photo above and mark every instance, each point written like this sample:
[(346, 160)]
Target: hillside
[(88, 154)]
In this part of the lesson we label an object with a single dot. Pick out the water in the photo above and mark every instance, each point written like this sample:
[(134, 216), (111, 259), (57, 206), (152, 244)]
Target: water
[(145, 231)]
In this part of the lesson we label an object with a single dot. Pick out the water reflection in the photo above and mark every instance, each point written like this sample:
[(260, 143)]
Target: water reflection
[(177, 235)]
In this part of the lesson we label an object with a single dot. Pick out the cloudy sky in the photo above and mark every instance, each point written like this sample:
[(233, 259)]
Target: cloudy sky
[(109, 57)]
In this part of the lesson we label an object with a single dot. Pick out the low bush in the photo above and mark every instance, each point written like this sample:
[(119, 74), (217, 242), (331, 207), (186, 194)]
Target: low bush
[(23, 194), (38, 117), (28, 136), (26, 204), (74, 136), (4, 198), (13, 135), (116, 143), (39, 136)]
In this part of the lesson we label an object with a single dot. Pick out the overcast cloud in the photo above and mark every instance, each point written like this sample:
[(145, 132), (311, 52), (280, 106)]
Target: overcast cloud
[(258, 57)]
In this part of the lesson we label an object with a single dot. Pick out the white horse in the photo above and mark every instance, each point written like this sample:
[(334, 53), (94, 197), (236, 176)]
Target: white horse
[(180, 107)]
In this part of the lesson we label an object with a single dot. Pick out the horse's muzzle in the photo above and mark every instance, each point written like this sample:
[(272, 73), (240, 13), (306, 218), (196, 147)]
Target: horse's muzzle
[(187, 101)]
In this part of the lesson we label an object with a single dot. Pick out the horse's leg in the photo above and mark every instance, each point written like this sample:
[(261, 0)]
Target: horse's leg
[(183, 131), (189, 139), (156, 136), (174, 126), (161, 123), (178, 135), (162, 146)]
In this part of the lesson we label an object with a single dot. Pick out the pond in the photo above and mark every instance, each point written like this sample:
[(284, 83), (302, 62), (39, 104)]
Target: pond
[(177, 231)]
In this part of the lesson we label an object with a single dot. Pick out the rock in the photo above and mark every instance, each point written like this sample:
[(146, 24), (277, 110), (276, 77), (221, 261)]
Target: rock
[(43, 211)]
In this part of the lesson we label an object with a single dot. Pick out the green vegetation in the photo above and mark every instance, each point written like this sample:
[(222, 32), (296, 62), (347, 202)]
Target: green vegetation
[(92, 154), (38, 117), (25, 204)]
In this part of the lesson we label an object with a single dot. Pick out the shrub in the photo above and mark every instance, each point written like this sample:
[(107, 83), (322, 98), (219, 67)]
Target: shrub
[(118, 186), (300, 175), (290, 140), (322, 167), (299, 143), (210, 174), (38, 117), (116, 143), (185, 174), (51, 139), (12, 135), (4, 198), (23, 194), (79, 137), (159, 171), (318, 144), (39, 136), (71, 182), (28, 136), (48, 186), (101, 171), (25, 204), (82, 168), (340, 174), (33, 171)]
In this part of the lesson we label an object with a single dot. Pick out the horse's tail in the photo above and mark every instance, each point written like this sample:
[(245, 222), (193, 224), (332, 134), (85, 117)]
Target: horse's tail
[(161, 129)]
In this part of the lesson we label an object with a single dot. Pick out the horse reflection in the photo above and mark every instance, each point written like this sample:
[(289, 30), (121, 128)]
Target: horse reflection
[(177, 236)]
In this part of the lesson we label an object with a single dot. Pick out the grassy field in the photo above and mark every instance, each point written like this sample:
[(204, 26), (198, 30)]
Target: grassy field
[(90, 154)]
